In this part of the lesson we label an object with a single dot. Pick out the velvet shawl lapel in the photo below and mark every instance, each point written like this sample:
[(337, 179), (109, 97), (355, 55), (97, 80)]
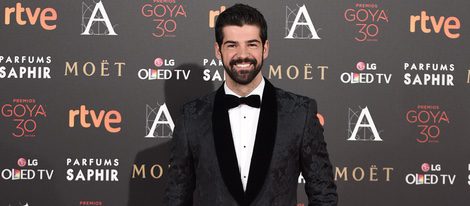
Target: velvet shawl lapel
[(262, 151)]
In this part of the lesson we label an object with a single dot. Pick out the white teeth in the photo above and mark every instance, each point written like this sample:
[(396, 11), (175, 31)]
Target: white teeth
[(243, 65)]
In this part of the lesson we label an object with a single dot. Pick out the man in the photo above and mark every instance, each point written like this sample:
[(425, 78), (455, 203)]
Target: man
[(246, 143)]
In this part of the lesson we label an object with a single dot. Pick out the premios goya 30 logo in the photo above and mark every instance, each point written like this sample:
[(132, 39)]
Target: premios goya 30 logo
[(165, 14), (26, 115), (368, 19), (429, 119)]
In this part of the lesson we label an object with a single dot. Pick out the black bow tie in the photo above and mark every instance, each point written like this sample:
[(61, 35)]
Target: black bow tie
[(232, 101)]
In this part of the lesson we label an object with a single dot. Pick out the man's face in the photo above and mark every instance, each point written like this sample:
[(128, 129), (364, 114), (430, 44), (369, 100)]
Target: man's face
[(242, 52)]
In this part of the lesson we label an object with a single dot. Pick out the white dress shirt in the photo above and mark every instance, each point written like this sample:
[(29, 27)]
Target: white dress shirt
[(244, 123)]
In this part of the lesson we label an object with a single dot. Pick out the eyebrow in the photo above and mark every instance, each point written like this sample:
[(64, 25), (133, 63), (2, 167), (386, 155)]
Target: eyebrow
[(230, 42), (249, 41)]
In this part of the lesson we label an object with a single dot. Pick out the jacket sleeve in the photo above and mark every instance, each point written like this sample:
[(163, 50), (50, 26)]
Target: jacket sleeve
[(315, 164), (181, 175)]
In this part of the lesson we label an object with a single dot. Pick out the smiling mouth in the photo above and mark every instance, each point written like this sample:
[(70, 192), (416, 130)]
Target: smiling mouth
[(243, 66)]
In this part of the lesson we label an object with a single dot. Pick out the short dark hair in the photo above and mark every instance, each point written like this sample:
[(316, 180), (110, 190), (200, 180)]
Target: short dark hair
[(239, 15)]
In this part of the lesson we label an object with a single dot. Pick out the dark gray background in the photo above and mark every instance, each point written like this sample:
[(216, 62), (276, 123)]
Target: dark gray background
[(134, 45)]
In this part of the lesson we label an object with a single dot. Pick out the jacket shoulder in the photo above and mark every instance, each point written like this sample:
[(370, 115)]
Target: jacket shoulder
[(200, 105), (294, 101)]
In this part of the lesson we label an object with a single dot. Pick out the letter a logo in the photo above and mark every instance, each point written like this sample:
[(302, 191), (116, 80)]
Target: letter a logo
[(162, 121), (96, 19), (303, 20), (363, 126)]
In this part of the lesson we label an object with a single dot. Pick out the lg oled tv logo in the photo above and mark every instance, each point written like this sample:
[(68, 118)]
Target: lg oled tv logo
[(299, 25), (95, 19), (163, 70), (450, 26), (431, 175), (366, 74), (165, 14), (429, 119), (158, 122), (28, 170), (22, 16), (368, 18), (361, 126), (25, 114), (87, 118)]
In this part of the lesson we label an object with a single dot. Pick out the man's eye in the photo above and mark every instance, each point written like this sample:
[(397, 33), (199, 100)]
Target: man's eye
[(230, 45)]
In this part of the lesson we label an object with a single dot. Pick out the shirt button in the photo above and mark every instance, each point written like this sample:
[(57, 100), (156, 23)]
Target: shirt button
[(244, 176), (244, 117), (244, 146)]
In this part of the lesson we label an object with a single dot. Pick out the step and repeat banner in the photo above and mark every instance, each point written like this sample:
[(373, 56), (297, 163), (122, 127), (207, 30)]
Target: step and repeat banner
[(90, 91)]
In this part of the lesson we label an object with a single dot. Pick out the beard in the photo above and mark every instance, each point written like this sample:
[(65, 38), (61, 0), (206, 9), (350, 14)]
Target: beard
[(243, 76)]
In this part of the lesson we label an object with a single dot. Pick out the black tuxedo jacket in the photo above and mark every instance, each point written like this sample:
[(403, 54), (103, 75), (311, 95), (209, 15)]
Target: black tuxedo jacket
[(289, 140)]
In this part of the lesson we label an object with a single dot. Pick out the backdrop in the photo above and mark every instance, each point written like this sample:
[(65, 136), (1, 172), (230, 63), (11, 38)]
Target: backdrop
[(90, 91)]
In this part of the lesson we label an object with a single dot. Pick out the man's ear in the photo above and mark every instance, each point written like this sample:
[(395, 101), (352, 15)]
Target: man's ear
[(217, 51), (266, 49)]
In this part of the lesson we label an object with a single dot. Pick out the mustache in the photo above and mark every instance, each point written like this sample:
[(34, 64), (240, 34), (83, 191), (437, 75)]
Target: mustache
[(241, 60)]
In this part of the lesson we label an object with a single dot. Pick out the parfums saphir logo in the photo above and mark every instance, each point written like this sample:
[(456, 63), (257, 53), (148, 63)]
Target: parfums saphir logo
[(92, 169), (25, 67), (428, 74)]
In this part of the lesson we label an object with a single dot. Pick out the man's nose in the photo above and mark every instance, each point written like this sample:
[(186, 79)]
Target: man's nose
[(243, 52)]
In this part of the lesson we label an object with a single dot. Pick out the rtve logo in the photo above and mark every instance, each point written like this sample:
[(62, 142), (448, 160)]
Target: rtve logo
[(25, 15), (111, 119), (449, 25), (213, 15)]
